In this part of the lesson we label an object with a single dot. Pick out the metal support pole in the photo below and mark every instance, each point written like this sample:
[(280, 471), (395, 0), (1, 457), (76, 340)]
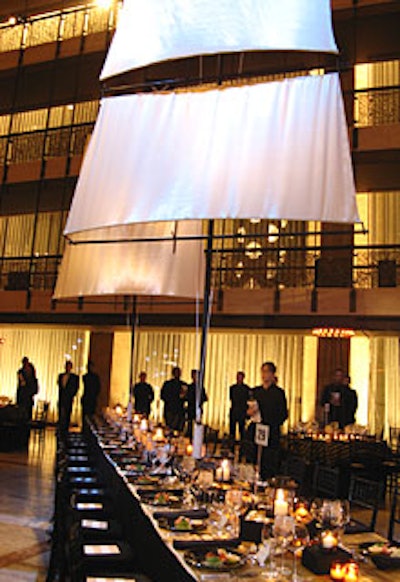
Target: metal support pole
[(198, 429), (133, 337)]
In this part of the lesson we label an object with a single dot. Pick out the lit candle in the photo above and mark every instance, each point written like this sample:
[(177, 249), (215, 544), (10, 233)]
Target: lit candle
[(338, 571), (281, 506), (351, 572), (218, 474), (301, 512), (329, 540), (159, 434), (136, 418), (118, 409), (189, 450), (144, 425), (226, 472)]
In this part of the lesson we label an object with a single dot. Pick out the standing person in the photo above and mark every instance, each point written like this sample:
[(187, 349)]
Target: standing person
[(173, 394), (27, 387), (191, 402), (143, 394), (273, 411), (332, 399), (239, 394), (91, 391), (68, 385), (350, 402)]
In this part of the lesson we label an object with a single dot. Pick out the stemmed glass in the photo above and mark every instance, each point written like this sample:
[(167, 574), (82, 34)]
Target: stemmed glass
[(234, 502), (283, 532), (331, 514), (300, 539), (269, 542)]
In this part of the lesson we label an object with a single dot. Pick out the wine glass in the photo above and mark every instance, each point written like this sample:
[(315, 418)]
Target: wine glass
[(283, 532), (234, 502), (300, 539), (269, 543)]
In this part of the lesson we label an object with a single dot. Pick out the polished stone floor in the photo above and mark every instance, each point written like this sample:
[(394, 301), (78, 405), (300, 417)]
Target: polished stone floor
[(26, 505)]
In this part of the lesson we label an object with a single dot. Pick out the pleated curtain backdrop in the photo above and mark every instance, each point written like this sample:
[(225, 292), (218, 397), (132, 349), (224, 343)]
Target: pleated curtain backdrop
[(384, 397), (157, 351), (47, 348)]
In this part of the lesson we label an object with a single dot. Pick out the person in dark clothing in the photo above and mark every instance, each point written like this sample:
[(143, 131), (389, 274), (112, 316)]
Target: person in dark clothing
[(91, 391), (174, 394), (332, 399), (350, 402), (238, 394), (248, 448), (273, 409), (27, 388), (68, 386), (191, 402), (143, 394)]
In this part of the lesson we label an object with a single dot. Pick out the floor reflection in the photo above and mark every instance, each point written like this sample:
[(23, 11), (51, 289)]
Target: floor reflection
[(26, 504)]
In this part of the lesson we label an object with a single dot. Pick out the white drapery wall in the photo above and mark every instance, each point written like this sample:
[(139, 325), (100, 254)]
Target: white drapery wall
[(156, 351), (47, 348), (384, 395)]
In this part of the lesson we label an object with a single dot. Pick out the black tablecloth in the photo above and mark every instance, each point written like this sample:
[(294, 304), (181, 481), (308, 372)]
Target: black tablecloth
[(156, 560)]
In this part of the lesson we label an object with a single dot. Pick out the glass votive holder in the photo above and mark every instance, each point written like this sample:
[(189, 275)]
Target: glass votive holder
[(338, 571), (329, 540), (352, 572)]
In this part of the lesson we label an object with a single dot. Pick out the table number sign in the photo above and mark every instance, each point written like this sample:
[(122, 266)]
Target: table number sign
[(262, 435)]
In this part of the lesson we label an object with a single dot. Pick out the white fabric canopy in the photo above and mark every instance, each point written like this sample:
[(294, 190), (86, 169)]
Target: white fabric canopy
[(151, 31), (145, 268), (274, 150)]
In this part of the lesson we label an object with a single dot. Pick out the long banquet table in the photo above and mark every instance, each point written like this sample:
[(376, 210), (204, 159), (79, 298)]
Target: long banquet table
[(156, 555)]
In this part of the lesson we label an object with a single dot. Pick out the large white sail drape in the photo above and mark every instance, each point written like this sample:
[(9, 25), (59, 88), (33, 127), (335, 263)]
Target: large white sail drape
[(271, 150), (151, 31), (142, 268)]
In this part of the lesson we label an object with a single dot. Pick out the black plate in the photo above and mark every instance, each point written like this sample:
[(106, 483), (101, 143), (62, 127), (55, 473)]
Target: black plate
[(381, 561)]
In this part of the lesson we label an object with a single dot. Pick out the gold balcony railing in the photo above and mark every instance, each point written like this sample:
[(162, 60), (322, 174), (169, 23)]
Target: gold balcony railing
[(20, 33)]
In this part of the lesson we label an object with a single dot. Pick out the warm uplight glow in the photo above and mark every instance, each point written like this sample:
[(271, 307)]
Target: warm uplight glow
[(12, 20), (105, 4), (333, 332)]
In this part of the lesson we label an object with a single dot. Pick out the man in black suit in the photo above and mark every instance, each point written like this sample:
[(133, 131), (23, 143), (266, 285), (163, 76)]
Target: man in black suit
[(332, 399), (273, 411), (239, 394), (350, 402), (91, 391), (143, 394), (173, 394), (68, 386), (27, 388)]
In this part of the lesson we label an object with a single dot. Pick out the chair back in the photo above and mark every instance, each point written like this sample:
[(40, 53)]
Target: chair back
[(394, 519), (326, 482), (366, 494)]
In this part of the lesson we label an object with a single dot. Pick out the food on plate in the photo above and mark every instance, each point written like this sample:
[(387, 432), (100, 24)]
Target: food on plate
[(384, 549), (221, 558), (161, 498), (182, 524)]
